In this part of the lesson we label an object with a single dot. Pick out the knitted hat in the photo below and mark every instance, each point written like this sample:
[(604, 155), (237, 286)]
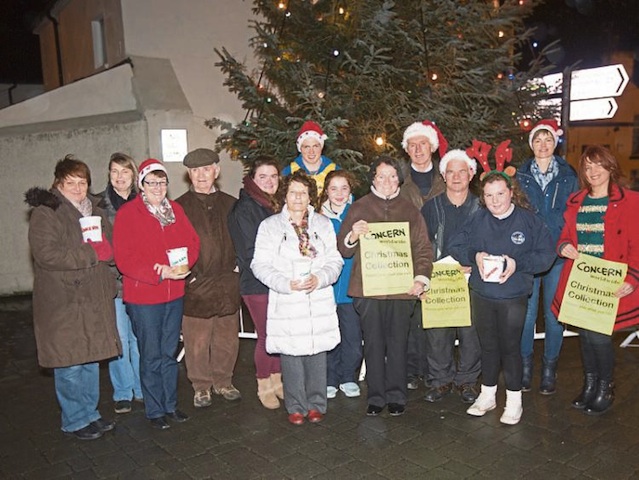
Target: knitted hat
[(429, 130), (147, 166), (310, 129), (457, 155), (200, 157), (551, 126)]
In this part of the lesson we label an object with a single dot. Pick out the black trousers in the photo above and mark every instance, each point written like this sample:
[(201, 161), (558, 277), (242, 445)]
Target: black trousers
[(385, 325), (443, 367), (597, 354), (416, 354), (499, 325)]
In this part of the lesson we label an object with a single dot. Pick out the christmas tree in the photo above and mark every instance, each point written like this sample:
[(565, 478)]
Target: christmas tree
[(366, 69)]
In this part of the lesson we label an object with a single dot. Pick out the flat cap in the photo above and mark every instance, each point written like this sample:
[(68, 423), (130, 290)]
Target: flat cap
[(200, 157)]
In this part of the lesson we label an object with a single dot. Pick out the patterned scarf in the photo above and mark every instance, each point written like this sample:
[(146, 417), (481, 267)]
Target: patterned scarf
[(543, 179), (163, 212), (306, 249)]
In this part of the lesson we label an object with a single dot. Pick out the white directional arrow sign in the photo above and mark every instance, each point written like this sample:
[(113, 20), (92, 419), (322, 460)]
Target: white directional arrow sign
[(608, 81), (593, 109)]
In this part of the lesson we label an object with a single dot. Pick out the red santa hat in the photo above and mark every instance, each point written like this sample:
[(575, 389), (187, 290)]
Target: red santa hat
[(457, 155), (551, 126), (429, 130), (310, 129), (147, 166)]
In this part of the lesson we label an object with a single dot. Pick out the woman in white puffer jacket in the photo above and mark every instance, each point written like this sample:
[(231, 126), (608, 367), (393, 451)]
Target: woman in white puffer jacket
[(302, 321)]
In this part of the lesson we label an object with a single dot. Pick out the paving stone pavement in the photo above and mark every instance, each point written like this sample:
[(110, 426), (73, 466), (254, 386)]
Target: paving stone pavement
[(242, 440)]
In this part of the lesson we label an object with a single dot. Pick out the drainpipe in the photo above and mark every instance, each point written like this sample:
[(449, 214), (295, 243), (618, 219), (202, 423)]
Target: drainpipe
[(58, 50), (10, 92)]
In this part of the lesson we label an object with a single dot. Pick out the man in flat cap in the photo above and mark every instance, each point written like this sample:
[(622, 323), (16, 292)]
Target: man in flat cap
[(212, 300)]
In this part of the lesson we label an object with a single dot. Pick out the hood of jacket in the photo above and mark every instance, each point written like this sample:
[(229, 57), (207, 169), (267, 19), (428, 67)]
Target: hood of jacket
[(36, 197)]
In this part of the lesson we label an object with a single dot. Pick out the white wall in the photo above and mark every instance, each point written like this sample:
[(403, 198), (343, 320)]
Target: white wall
[(28, 160), (187, 36), (114, 111)]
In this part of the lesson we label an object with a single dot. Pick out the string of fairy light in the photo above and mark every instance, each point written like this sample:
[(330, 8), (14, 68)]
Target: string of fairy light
[(340, 11)]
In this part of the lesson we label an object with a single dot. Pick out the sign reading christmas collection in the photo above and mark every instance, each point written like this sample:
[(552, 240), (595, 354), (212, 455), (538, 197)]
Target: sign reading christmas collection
[(589, 300), (386, 259), (447, 303)]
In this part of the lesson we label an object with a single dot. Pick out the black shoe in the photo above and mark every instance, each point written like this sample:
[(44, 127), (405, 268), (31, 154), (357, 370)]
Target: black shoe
[(103, 425), (395, 409), (90, 432), (588, 391), (160, 423), (373, 410), (122, 406), (603, 399), (548, 385), (435, 394), (468, 393), (177, 416)]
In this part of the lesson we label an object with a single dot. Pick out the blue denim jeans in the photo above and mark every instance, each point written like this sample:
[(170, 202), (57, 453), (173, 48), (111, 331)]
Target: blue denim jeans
[(344, 361), (158, 330), (125, 369), (78, 390), (554, 331)]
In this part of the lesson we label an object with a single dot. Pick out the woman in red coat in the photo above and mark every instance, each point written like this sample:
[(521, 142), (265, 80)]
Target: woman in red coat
[(600, 222)]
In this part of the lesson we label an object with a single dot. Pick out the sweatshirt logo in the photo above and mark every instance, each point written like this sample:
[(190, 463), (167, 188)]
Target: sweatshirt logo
[(518, 238)]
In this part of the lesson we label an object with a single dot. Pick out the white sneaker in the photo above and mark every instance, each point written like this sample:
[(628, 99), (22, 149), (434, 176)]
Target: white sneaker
[(514, 409), (331, 392), (350, 389), (484, 403)]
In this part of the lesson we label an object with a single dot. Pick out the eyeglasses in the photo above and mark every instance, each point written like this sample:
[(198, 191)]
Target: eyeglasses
[(155, 184)]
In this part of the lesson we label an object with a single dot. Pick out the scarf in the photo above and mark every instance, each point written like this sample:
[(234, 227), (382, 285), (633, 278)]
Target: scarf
[(306, 249), (163, 212), (261, 197), (116, 200), (543, 179), (85, 207)]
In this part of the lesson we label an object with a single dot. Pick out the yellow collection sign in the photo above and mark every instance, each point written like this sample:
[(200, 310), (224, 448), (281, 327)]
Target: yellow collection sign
[(447, 303), (589, 300), (386, 259)]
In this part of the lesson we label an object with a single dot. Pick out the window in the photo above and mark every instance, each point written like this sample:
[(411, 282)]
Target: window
[(99, 43)]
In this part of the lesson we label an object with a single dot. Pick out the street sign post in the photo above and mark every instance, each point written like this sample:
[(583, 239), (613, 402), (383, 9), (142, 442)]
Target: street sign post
[(600, 82), (591, 91), (593, 109)]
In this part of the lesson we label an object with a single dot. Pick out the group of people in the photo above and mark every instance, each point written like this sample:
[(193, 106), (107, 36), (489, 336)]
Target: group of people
[(289, 249)]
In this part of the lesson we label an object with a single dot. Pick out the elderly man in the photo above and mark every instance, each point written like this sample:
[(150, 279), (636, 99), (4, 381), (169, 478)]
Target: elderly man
[(422, 182), (444, 214), (212, 300)]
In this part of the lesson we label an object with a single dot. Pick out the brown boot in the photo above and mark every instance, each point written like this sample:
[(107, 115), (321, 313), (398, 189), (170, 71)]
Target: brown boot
[(266, 394), (276, 381)]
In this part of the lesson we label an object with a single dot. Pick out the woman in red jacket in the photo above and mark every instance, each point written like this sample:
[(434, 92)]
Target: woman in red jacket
[(600, 222), (145, 229)]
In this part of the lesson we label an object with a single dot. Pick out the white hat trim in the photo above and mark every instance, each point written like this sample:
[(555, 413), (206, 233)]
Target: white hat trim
[(418, 129), (310, 134), (457, 155)]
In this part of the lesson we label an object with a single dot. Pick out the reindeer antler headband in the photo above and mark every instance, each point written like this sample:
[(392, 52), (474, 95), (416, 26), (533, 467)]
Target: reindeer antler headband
[(503, 154)]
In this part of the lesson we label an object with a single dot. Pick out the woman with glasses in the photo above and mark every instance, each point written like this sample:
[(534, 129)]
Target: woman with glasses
[(146, 230), (385, 319)]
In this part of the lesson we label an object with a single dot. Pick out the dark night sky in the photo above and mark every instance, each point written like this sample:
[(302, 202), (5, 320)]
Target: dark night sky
[(588, 29)]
